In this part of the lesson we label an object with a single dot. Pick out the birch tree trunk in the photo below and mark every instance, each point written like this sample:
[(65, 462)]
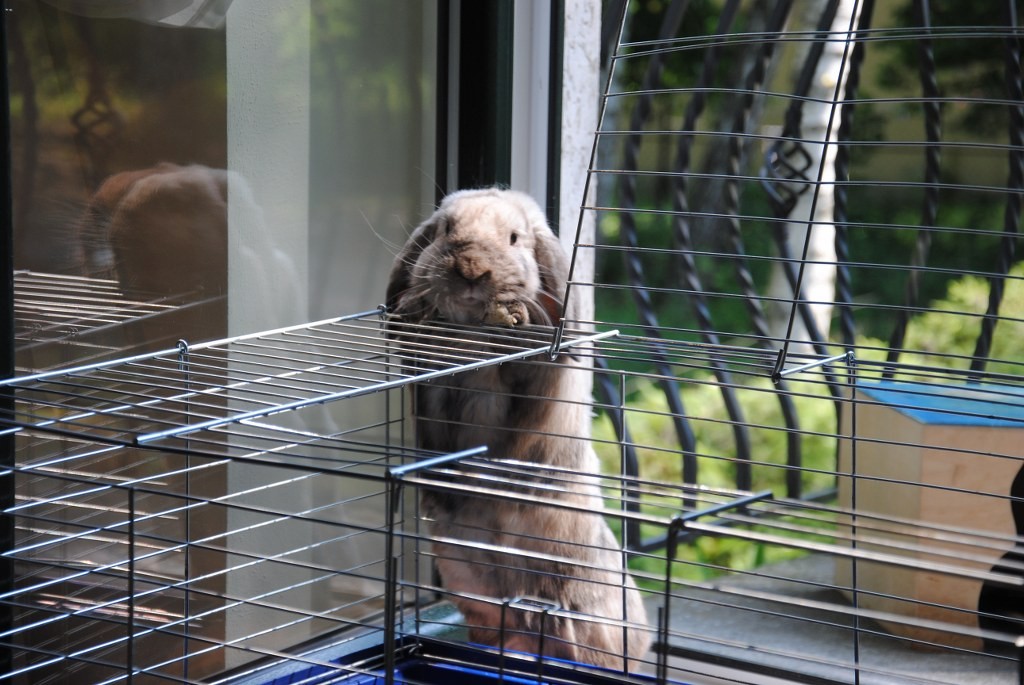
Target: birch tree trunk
[(814, 208)]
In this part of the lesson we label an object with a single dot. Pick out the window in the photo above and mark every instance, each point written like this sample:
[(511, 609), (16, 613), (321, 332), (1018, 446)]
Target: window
[(197, 170)]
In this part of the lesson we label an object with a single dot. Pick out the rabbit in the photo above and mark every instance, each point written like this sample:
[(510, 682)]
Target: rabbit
[(486, 258)]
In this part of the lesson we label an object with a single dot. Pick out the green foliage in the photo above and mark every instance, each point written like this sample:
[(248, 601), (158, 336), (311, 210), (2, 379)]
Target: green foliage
[(944, 335), (886, 200), (660, 460), (667, 279), (652, 432), (974, 66), (951, 251)]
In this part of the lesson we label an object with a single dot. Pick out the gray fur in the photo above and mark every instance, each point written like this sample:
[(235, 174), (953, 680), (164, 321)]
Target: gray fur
[(461, 266)]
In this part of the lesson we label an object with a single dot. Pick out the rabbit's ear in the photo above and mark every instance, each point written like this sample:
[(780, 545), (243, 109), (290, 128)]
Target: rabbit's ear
[(554, 270), (400, 279)]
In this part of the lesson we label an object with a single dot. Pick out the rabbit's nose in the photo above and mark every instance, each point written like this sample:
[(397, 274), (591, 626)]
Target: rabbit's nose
[(472, 270)]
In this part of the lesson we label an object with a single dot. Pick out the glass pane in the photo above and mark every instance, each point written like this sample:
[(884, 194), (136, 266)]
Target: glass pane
[(191, 171), (120, 145)]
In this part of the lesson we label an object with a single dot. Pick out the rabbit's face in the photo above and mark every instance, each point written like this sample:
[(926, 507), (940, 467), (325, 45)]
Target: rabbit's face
[(484, 257), (481, 256)]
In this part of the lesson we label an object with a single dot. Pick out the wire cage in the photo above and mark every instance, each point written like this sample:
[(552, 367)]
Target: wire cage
[(808, 403), (62, 319)]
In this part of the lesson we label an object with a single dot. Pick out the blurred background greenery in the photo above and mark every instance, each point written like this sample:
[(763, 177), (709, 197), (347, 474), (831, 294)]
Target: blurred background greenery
[(887, 202)]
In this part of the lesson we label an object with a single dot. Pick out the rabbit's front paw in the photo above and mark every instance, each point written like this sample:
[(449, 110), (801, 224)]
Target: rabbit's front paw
[(505, 314)]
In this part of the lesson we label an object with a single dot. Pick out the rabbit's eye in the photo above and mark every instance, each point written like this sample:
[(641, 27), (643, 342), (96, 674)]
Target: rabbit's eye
[(513, 238)]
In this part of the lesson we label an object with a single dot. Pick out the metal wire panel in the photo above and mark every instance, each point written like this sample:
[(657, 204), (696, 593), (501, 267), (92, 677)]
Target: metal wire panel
[(62, 319), (174, 566), (809, 485), (806, 236), (186, 559), (177, 515)]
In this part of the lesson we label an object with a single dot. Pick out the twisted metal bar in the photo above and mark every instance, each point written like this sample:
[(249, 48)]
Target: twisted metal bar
[(844, 291), (613, 398), (1014, 186), (760, 324), (795, 277), (929, 212), (645, 306), (794, 455), (684, 253), (783, 202)]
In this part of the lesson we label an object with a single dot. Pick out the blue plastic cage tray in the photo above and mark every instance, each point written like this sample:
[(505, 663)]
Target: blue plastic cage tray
[(425, 661)]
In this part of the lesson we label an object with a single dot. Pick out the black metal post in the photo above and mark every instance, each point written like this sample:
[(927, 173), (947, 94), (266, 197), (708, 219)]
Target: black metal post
[(485, 93), (7, 359)]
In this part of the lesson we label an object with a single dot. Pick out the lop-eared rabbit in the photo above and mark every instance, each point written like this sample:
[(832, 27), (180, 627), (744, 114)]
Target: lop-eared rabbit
[(486, 258)]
